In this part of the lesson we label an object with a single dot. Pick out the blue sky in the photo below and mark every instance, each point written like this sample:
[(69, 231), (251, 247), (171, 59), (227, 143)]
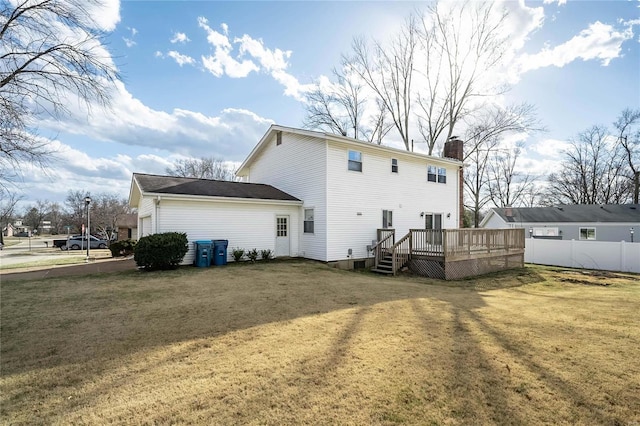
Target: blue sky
[(578, 63)]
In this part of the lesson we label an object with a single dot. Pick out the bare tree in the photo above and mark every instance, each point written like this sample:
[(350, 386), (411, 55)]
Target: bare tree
[(388, 70), (456, 62), (482, 142), (628, 127), (507, 186), (50, 53), (35, 215), (203, 168), (106, 210), (339, 107), (76, 208), (8, 202), (592, 171)]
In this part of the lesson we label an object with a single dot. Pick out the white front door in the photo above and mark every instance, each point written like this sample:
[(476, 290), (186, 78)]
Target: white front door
[(282, 236)]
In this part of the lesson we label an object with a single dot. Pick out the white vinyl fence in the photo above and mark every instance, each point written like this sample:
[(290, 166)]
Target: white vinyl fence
[(603, 255)]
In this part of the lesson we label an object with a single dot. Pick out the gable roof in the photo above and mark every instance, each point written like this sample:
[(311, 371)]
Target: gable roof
[(156, 184), (582, 213), (358, 144)]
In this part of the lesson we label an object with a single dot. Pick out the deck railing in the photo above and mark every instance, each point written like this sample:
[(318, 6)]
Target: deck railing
[(452, 244)]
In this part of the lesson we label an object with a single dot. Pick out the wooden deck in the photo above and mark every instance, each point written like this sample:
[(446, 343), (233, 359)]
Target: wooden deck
[(465, 251)]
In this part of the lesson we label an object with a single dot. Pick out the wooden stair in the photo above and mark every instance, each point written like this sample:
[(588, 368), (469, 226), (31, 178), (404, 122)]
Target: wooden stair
[(385, 265)]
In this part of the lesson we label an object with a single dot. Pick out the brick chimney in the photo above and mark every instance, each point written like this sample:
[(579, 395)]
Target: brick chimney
[(453, 148)]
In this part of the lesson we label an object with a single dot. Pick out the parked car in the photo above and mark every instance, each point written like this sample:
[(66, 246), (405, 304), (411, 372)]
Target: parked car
[(22, 234), (80, 242)]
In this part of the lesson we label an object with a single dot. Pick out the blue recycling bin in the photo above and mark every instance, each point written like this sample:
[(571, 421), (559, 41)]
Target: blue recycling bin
[(203, 253), (220, 252)]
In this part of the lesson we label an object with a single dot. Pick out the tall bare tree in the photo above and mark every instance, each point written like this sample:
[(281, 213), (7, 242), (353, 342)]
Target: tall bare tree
[(388, 69), (463, 43), (202, 168), (339, 107), (593, 171), (483, 142), (628, 127), (507, 186), (50, 54)]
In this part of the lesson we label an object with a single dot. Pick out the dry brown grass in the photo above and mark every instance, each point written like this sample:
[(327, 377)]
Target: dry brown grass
[(299, 343)]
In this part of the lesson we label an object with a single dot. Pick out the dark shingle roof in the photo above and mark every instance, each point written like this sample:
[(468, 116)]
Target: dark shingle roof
[(573, 213), (209, 188)]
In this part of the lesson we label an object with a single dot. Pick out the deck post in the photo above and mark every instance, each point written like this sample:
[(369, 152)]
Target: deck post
[(444, 243)]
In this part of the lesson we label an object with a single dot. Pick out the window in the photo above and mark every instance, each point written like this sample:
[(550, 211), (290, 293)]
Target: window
[(431, 173), (587, 233), (278, 138), (387, 219), (308, 221), (281, 227), (442, 175), (355, 161), (394, 165)]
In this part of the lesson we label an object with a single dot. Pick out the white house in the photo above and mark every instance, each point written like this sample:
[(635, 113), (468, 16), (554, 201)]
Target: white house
[(308, 194)]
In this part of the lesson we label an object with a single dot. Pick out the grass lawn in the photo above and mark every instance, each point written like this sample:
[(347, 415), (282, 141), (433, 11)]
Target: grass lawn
[(300, 343)]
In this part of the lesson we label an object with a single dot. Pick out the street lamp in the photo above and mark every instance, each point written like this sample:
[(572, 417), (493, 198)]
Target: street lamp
[(87, 202), (631, 231)]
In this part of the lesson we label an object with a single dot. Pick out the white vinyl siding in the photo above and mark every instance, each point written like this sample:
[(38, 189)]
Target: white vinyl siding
[(355, 200), (298, 167), (245, 225)]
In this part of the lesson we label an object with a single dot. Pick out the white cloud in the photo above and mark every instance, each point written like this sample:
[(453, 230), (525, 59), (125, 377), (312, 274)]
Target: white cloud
[(128, 41), (106, 14), (181, 59), (180, 38), (560, 2), (230, 135), (551, 148), (252, 56), (598, 42), (158, 54)]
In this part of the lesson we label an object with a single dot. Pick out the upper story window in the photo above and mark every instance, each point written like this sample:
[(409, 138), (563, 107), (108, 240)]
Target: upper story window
[(355, 161), (432, 172), (278, 138), (436, 174), (587, 233), (394, 165), (308, 221), (442, 175)]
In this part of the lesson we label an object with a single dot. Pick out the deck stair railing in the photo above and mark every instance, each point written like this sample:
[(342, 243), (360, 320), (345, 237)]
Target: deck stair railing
[(449, 244), (382, 249)]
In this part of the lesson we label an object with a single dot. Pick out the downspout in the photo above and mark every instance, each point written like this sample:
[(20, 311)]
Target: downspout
[(156, 213)]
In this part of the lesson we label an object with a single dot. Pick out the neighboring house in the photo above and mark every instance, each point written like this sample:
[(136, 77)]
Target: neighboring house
[(308, 194), (9, 230), (127, 227), (589, 222)]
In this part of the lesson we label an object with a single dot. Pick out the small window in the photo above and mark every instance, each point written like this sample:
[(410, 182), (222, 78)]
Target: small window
[(442, 175), (355, 161), (308, 221), (281, 227), (394, 165), (432, 173), (387, 219), (278, 138), (587, 233)]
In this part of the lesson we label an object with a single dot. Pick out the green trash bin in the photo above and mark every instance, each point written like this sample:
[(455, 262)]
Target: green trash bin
[(220, 252), (203, 253)]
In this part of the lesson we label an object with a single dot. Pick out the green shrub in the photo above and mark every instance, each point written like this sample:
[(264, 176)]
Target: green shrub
[(122, 248), (237, 254), (161, 251), (266, 255), (252, 255)]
